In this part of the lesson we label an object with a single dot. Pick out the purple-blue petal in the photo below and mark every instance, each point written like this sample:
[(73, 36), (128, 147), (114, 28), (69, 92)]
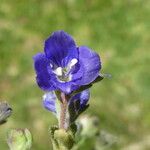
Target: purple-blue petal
[(43, 72), (83, 97), (66, 87), (77, 73), (60, 48), (90, 65), (49, 100)]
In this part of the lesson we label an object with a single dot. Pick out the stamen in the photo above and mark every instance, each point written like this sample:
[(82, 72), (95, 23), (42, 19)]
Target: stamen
[(63, 74), (58, 71), (73, 62)]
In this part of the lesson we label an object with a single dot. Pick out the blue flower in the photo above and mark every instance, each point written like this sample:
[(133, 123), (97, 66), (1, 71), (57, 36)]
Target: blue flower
[(49, 100), (79, 101), (76, 104), (64, 66)]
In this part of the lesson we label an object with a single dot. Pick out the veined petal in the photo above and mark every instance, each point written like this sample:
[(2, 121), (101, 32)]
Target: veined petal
[(43, 71), (90, 65), (49, 100), (60, 48), (77, 72)]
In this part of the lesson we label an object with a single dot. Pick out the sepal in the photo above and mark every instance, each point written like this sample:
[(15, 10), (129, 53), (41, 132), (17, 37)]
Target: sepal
[(98, 79), (75, 110), (82, 88), (85, 87)]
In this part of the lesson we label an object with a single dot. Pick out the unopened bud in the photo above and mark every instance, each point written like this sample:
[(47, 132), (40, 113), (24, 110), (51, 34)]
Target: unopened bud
[(61, 139), (19, 139)]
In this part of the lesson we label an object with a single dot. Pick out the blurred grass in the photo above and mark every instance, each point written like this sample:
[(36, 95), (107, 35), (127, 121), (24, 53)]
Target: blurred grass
[(117, 30)]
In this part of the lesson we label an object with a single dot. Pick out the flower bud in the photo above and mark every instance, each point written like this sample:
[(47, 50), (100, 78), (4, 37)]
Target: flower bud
[(19, 139), (64, 138), (61, 139)]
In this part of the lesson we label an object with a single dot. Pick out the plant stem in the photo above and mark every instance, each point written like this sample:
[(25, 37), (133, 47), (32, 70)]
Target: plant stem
[(63, 106)]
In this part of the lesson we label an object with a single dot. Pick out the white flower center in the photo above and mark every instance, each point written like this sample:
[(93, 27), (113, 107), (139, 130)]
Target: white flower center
[(58, 71), (63, 74)]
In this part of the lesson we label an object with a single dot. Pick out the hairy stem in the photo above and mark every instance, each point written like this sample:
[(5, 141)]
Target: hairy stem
[(64, 101)]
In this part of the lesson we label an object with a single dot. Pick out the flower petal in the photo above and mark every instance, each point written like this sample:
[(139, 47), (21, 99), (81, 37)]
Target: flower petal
[(43, 71), (78, 104), (83, 97), (77, 72), (60, 48), (49, 100), (66, 87), (90, 65)]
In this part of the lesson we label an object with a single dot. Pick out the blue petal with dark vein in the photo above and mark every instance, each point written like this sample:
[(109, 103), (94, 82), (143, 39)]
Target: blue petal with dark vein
[(60, 48)]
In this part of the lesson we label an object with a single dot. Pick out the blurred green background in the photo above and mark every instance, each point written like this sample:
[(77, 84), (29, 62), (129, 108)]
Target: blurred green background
[(118, 30)]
